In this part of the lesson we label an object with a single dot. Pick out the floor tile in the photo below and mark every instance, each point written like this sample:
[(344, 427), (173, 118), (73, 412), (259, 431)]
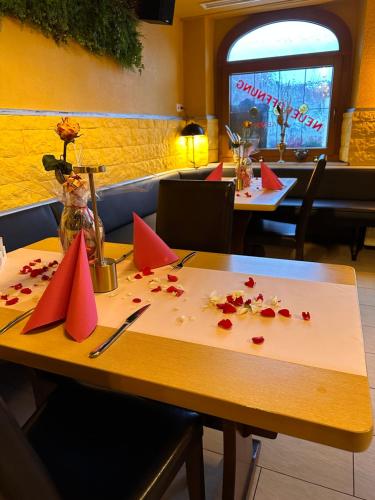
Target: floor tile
[(274, 486), (213, 471), (366, 279), (366, 296), (213, 440), (369, 338), (370, 362), (364, 473), (308, 461), (368, 315)]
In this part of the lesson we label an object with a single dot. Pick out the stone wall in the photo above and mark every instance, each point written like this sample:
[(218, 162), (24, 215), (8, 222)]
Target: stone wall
[(358, 137), (128, 147)]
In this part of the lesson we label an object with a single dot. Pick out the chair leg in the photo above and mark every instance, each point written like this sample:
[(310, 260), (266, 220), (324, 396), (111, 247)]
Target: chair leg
[(300, 251), (195, 471), (358, 241)]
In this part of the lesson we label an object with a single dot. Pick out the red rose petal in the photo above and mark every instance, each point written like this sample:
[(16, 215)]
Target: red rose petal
[(226, 324), (238, 301), (53, 263), (10, 302), (260, 297), (45, 277), (26, 291), (268, 313), (230, 299), (35, 272), (37, 260), (157, 289), (285, 313), (138, 276), (146, 271), (172, 277), (179, 292), (229, 308), (250, 283), (4, 297), (137, 301), (220, 306), (257, 340), (17, 287), (238, 194), (306, 316), (247, 302)]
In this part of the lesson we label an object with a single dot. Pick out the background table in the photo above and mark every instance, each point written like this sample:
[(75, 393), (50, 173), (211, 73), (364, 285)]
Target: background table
[(260, 200), (329, 407)]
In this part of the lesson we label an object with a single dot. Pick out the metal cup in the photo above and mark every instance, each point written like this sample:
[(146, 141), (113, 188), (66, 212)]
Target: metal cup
[(104, 275)]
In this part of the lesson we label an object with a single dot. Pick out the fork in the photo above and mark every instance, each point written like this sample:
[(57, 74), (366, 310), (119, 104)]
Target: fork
[(123, 257), (180, 264), (14, 321)]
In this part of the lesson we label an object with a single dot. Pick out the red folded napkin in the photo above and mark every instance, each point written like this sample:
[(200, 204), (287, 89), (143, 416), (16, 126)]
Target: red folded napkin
[(149, 249), (216, 174), (269, 179), (69, 295)]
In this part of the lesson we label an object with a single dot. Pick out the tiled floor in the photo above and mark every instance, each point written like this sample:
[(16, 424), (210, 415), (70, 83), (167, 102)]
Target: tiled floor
[(289, 469)]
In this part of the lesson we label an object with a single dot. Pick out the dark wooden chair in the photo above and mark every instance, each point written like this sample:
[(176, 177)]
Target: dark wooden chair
[(90, 444), (195, 214), (263, 231)]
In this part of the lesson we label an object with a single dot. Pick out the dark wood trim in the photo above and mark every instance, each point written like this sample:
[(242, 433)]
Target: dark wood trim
[(340, 60)]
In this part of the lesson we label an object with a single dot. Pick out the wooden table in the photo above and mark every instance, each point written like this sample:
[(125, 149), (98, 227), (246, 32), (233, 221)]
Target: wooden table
[(260, 200), (325, 406)]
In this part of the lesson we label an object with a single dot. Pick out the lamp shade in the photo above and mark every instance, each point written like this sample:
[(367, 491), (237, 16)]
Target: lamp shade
[(192, 129)]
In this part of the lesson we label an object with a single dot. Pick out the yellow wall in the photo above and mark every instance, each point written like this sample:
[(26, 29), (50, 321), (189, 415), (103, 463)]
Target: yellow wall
[(38, 74)]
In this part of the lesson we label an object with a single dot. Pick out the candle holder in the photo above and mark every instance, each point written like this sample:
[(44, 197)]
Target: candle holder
[(103, 270)]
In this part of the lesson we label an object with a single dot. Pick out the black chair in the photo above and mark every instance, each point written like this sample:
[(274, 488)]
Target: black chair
[(195, 214), (263, 231), (90, 444)]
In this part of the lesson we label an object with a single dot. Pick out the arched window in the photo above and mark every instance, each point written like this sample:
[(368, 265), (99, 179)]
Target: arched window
[(298, 61)]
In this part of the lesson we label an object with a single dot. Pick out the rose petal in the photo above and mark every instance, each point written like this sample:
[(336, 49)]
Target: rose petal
[(285, 313), (172, 277), (238, 301), (53, 263), (138, 276), (26, 291), (10, 302), (250, 283), (306, 316), (37, 260), (17, 287), (247, 302), (257, 340), (35, 272), (179, 292), (157, 289), (137, 300), (260, 297), (230, 299), (146, 271), (45, 277), (268, 313), (226, 324), (4, 297), (229, 308)]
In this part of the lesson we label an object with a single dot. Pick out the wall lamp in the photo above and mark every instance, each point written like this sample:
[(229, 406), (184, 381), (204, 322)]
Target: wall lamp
[(190, 131)]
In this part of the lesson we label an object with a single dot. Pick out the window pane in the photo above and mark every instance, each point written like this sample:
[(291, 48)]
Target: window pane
[(285, 38), (305, 91)]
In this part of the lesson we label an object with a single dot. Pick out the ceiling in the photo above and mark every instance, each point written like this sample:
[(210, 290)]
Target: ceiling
[(192, 8)]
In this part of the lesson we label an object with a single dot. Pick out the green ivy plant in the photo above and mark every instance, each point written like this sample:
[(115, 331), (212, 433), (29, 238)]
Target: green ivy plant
[(105, 27)]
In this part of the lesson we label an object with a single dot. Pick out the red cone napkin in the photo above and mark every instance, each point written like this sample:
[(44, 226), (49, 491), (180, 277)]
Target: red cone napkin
[(69, 295), (216, 174), (149, 249), (269, 179)]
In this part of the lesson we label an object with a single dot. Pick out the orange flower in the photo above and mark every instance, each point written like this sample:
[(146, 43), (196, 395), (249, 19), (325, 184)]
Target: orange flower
[(67, 131)]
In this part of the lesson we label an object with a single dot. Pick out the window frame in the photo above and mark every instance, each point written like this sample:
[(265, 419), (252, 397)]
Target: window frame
[(341, 61)]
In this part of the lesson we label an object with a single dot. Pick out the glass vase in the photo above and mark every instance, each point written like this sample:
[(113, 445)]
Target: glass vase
[(76, 215)]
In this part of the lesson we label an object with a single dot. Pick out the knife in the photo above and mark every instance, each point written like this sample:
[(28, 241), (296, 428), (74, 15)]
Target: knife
[(107, 343), (16, 320)]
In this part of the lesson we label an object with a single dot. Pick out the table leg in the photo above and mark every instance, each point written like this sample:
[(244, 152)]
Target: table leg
[(237, 447), (241, 219)]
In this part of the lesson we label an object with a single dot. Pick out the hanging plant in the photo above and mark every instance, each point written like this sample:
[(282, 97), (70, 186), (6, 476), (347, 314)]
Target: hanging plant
[(104, 27)]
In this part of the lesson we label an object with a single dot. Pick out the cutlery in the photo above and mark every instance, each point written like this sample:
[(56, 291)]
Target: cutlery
[(123, 257), (107, 343), (181, 264), (16, 320)]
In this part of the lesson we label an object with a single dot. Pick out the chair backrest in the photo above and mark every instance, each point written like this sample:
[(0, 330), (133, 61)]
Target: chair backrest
[(309, 197), (196, 215), (22, 475)]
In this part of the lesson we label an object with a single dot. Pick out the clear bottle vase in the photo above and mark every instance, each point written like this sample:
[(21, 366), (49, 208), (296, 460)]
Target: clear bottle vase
[(76, 215)]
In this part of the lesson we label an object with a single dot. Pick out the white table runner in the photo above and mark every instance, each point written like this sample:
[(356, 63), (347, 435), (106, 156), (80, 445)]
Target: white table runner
[(332, 339)]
